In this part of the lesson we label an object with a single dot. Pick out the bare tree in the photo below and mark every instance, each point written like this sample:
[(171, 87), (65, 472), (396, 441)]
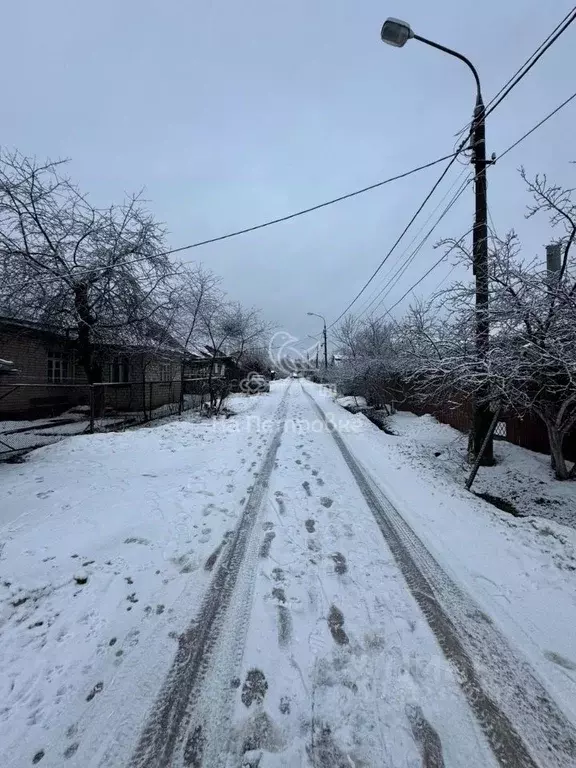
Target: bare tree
[(231, 331), (368, 360), (197, 296), (531, 365), (345, 335), (97, 273)]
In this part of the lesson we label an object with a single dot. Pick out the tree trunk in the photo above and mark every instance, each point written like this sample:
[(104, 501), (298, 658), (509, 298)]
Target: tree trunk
[(85, 345), (557, 460)]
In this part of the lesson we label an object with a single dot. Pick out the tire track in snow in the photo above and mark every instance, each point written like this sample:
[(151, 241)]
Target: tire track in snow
[(521, 721), (175, 704)]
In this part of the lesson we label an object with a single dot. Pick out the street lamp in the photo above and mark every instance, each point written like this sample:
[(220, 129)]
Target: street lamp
[(397, 33), (315, 314)]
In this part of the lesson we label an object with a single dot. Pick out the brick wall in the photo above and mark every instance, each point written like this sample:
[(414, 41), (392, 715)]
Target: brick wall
[(28, 349)]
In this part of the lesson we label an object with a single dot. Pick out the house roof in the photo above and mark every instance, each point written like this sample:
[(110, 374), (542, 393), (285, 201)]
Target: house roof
[(154, 339), (34, 325)]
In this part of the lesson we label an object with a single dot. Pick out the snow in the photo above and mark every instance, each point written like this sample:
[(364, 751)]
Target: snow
[(328, 559), (74, 422), (521, 477), (351, 401), (521, 570), (109, 541), (139, 512)]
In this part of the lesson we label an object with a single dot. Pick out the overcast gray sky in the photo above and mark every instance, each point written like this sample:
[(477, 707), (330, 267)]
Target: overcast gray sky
[(230, 113)]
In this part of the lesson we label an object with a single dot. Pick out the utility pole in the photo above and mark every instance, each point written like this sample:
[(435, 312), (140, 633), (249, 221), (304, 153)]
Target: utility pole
[(325, 334), (397, 33), (482, 413)]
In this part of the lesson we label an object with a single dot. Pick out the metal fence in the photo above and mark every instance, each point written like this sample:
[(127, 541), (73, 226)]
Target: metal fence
[(33, 415)]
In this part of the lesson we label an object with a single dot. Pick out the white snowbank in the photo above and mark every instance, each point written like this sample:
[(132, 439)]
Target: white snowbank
[(352, 401)]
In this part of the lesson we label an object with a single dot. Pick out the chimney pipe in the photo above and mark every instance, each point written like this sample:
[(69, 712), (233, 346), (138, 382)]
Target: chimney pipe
[(553, 258)]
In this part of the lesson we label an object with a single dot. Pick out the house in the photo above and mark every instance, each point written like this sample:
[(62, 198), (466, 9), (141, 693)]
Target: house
[(204, 363), (41, 375)]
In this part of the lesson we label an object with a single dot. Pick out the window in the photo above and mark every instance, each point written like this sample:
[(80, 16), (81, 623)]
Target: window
[(165, 372), (119, 370), (60, 367)]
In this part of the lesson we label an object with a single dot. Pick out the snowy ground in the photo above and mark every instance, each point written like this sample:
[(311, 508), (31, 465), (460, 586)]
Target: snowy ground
[(521, 477), (228, 593), (19, 436)]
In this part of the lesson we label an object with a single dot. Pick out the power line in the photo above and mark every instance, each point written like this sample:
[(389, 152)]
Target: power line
[(550, 41), (509, 149), (389, 285), (544, 120), (406, 228), (453, 157), (443, 280), (504, 91), (495, 102), (378, 291), (523, 70), (424, 276), (278, 220), (421, 244), (313, 208)]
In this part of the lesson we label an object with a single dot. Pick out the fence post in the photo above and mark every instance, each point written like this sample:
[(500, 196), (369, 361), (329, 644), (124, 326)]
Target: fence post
[(91, 400), (150, 400), (181, 395)]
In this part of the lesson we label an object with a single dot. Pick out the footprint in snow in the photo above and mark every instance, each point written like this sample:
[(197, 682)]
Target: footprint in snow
[(336, 626), (340, 564), (278, 574), (266, 544), (136, 540), (96, 689), (71, 750), (284, 618), (254, 688), (43, 494), (326, 501)]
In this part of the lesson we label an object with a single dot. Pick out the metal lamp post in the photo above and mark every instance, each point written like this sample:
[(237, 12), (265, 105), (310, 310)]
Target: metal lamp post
[(397, 33), (315, 314)]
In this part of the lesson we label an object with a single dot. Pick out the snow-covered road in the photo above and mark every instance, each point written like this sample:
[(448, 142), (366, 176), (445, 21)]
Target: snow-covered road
[(244, 593)]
